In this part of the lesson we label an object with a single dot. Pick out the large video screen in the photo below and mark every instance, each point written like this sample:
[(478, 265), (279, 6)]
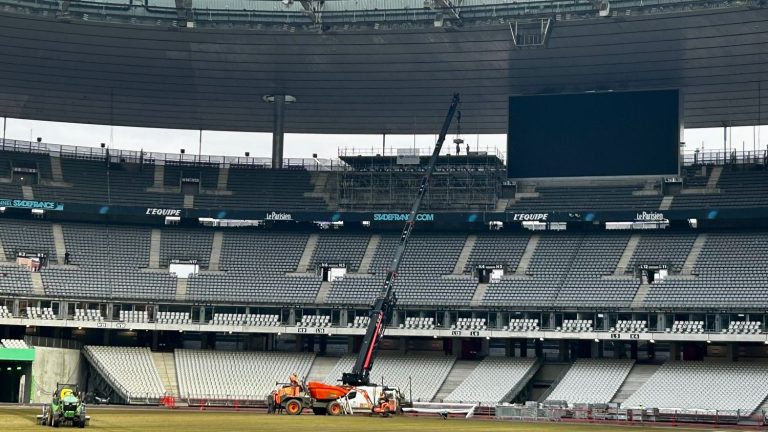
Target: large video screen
[(594, 134)]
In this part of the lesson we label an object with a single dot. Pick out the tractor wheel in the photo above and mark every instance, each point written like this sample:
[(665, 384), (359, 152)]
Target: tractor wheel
[(55, 422), (81, 423), (334, 409), (293, 407)]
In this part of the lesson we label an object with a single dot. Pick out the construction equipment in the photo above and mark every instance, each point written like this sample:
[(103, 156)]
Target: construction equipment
[(326, 399), (381, 311), (66, 409)]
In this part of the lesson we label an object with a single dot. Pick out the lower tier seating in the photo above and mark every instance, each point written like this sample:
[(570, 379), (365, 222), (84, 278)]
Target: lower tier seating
[(492, 380), (593, 381), (129, 370)]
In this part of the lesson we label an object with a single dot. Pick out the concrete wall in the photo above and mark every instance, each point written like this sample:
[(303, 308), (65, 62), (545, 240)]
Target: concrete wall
[(51, 366)]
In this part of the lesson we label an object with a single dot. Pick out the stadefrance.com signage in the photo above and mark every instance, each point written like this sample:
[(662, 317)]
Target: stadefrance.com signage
[(402, 217), (31, 204)]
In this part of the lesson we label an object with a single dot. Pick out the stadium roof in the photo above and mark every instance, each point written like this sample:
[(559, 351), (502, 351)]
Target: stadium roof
[(393, 80)]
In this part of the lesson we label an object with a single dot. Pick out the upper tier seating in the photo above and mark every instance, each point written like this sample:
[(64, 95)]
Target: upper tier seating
[(186, 244), (707, 385), (130, 370), (730, 272), (497, 249), (593, 381), (574, 199), (737, 189), (492, 380), (27, 236), (427, 372), (346, 248), (15, 279), (13, 343), (236, 375), (670, 248)]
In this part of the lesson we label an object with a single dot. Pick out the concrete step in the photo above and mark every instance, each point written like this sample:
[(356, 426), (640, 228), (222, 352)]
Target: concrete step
[(638, 376), (58, 241), (466, 251), (221, 183), (154, 249), (37, 283), (189, 201), (309, 251), (370, 251), (459, 372), (56, 172), (27, 193), (477, 298), (666, 202), (626, 257), (640, 295), (693, 255), (159, 179), (502, 204), (322, 293), (525, 260), (165, 363), (714, 177), (181, 289), (320, 369), (215, 259)]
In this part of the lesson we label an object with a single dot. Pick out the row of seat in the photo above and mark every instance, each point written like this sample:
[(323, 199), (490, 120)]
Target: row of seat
[(88, 315), (262, 320), (517, 324), (687, 327), (470, 324), (418, 323), (630, 326), (13, 343), (576, 326)]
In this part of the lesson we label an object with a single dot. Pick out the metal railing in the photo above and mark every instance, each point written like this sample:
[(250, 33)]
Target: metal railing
[(752, 157), (419, 150)]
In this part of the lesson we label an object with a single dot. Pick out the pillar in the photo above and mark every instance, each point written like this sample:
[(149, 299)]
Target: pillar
[(343, 318), (539, 349), (509, 347), (565, 348), (633, 350), (278, 125), (523, 348), (674, 351)]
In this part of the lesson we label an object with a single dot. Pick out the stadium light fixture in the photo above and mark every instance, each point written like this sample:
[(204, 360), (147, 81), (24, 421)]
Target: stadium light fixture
[(597, 340), (766, 342), (652, 341), (541, 339)]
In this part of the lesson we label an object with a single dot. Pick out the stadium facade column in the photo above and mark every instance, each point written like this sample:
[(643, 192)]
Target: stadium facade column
[(674, 351), (633, 350), (154, 340), (278, 101), (509, 347), (565, 350), (523, 348), (539, 349)]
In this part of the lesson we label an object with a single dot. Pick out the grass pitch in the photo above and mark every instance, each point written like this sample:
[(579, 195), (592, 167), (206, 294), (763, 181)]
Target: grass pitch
[(135, 420)]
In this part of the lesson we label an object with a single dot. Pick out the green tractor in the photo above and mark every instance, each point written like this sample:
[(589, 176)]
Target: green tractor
[(66, 409)]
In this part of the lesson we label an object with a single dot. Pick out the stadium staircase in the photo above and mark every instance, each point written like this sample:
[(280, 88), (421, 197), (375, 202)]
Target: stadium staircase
[(3, 259), (56, 172), (166, 368), (58, 240), (321, 368), (37, 284), (626, 257), (763, 408), (181, 289), (370, 252), (477, 298), (639, 374), (564, 368), (26, 192), (309, 251), (693, 255), (154, 248), (642, 292), (466, 251), (215, 259), (459, 372), (525, 260), (322, 293), (189, 201), (159, 179), (666, 202), (223, 179), (319, 182), (714, 177)]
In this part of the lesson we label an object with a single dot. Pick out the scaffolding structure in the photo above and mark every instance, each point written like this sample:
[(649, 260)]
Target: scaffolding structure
[(384, 181)]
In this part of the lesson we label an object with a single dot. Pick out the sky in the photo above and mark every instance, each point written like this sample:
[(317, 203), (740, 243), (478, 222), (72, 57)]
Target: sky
[(303, 145)]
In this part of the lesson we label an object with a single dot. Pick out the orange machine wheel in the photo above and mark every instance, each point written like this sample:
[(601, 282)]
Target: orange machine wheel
[(334, 409), (293, 407)]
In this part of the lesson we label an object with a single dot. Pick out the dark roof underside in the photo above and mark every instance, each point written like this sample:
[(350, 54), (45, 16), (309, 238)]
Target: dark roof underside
[(374, 82)]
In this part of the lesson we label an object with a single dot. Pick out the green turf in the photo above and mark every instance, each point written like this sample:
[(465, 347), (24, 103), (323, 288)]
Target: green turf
[(22, 420)]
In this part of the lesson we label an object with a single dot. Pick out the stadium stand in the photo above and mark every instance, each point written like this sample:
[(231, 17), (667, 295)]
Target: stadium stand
[(13, 343), (245, 319), (130, 370), (173, 318), (497, 249), (133, 316), (427, 372), (27, 236), (737, 188), (88, 315), (493, 379), (470, 324), (591, 381), (707, 385), (347, 248), (576, 326), (360, 322), (631, 326), (40, 313), (15, 280), (670, 248), (235, 375), (728, 273), (314, 321), (571, 198), (516, 324), (418, 323), (186, 244), (4, 312), (687, 327), (744, 327)]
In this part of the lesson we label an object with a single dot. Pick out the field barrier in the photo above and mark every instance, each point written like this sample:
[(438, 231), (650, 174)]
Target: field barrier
[(616, 415)]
